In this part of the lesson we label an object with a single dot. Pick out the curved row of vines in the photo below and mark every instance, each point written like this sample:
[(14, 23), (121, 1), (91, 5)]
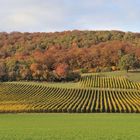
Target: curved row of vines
[(97, 81), (18, 97)]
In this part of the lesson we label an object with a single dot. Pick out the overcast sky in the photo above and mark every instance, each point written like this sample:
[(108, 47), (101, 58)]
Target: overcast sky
[(59, 15)]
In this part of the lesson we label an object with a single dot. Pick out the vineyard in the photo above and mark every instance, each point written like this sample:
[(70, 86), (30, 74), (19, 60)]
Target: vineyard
[(92, 94), (97, 81)]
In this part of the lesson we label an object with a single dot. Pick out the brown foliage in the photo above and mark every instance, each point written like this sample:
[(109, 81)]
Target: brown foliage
[(62, 70)]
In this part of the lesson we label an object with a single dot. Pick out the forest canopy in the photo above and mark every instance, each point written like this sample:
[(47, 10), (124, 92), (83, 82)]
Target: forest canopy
[(57, 56)]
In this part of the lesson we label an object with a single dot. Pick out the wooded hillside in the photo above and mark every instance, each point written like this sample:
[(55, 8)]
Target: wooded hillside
[(49, 56)]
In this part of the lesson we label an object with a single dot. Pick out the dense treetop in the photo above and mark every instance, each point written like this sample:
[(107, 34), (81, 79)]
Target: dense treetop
[(65, 39)]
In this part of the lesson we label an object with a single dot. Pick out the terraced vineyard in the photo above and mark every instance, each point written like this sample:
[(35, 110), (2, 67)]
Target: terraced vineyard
[(25, 97)]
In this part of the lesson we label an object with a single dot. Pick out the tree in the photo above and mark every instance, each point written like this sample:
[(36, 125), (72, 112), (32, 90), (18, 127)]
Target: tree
[(2, 71), (25, 74), (13, 68), (36, 71), (127, 62), (62, 70)]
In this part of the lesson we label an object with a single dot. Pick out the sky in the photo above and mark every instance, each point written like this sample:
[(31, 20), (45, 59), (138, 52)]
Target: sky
[(60, 15)]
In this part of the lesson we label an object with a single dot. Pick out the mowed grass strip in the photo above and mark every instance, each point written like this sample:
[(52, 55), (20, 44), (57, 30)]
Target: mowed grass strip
[(69, 126)]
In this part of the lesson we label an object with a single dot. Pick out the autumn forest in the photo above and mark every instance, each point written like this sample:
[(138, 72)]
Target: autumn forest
[(62, 55)]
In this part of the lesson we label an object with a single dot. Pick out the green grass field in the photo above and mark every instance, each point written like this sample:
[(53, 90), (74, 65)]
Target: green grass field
[(69, 126)]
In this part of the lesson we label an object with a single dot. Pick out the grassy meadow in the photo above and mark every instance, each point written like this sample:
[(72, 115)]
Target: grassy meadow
[(69, 126)]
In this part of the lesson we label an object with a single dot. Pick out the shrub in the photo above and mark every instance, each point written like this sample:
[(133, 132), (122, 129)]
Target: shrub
[(84, 70), (52, 77), (73, 76), (98, 69), (107, 69)]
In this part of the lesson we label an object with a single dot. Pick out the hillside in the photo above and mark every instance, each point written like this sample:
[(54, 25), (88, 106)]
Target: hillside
[(43, 56)]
